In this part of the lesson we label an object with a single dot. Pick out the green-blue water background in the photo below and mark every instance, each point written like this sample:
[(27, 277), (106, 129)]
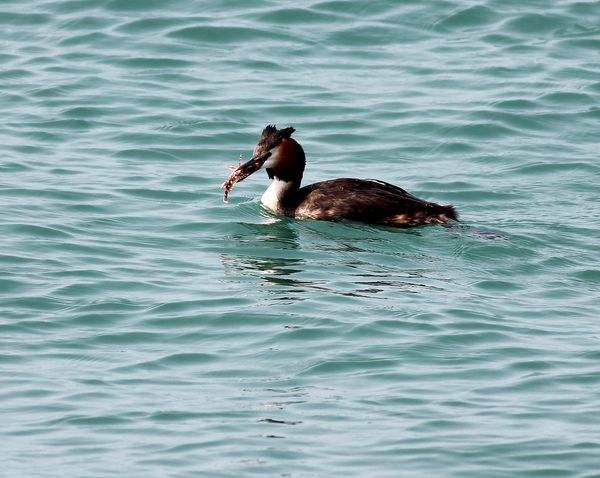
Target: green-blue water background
[(148, 329)]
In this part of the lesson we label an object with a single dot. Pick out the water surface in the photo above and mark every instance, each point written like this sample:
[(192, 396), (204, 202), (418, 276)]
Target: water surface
[(148, 329)]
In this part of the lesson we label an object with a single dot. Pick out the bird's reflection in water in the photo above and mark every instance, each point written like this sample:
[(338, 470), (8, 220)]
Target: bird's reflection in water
[(294, 269), (269, 251)]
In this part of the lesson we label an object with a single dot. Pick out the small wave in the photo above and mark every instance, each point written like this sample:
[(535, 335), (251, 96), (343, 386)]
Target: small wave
[(566, 98), (468, 18), (24, 19), (155, 6), (160, 194), (146, 25), (41, 232), (482, 131), (223, 34), (535, 23), (155, 63)]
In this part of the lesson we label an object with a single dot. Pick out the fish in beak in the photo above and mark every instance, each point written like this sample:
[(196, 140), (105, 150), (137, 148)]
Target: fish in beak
[(243, 171)]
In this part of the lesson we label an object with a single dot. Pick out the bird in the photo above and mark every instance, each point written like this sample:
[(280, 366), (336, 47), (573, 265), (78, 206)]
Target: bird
[(369, 201)]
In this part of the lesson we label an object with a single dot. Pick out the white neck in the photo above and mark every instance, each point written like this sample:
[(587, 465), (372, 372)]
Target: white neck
[(272, 196)]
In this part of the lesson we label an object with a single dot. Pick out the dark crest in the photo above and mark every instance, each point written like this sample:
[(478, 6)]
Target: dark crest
[(271, 136)]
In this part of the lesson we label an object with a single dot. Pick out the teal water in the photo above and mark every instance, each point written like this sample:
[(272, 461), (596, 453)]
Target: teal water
[(149, 329)]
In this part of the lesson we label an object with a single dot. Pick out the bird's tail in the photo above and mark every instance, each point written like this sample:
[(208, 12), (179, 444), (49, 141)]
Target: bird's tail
[(443, 214)]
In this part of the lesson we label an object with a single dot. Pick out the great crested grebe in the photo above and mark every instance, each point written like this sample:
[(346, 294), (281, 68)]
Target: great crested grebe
[(345, 199)]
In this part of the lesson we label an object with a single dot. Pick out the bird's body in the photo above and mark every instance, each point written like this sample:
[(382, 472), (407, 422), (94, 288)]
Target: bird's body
[(346, 199)]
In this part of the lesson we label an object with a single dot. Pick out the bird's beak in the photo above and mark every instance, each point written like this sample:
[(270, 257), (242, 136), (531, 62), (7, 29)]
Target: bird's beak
[(244, 170), (251, 166)]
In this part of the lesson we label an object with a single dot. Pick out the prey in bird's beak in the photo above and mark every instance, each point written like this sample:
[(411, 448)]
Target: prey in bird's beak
[(244, 170), (270, 138)]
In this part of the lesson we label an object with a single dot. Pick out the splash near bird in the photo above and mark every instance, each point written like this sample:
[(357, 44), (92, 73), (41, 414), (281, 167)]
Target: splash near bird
[(365, 200)]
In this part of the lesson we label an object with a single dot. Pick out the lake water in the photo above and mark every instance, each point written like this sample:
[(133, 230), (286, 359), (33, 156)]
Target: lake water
[(149, 329)]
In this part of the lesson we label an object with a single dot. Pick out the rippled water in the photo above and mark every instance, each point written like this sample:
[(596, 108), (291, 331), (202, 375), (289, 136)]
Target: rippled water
[(148, 329)]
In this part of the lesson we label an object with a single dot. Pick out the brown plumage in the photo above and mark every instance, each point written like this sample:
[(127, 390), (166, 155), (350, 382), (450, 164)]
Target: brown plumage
[(361, 199)]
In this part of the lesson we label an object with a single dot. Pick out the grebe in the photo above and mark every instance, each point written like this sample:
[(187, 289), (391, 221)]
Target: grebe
[(365, 200)]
